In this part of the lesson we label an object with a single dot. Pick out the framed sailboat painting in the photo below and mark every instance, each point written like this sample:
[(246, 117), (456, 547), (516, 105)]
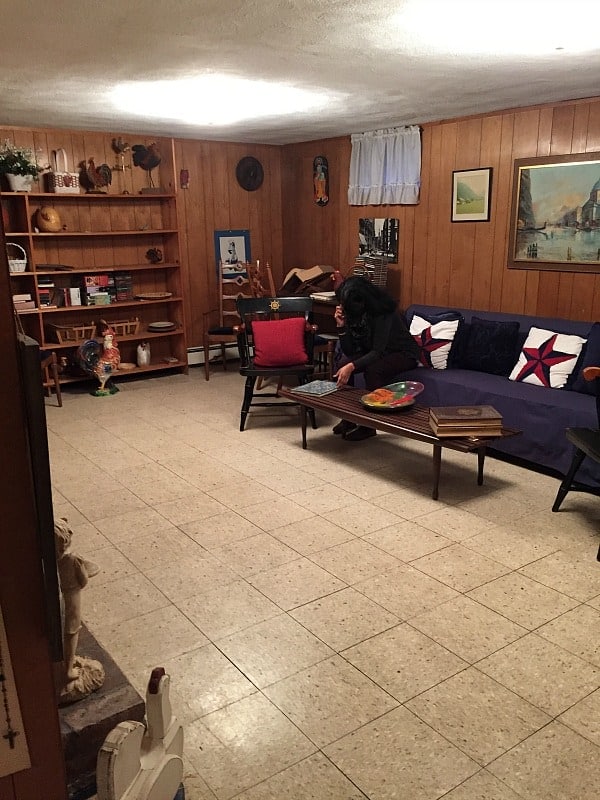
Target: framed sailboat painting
[(555, 216)]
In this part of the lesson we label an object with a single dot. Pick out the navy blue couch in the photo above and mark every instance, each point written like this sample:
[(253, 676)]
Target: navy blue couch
[(542, 414)]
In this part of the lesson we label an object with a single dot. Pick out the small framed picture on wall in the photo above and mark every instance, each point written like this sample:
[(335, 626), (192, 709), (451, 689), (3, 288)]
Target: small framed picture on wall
[(471, 190), (232, 248)]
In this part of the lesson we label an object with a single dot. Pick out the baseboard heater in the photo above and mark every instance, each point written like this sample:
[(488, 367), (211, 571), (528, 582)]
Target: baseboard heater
[(195, 355)]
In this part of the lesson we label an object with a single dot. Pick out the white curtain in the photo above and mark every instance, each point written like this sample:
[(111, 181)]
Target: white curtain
[(385, 167)]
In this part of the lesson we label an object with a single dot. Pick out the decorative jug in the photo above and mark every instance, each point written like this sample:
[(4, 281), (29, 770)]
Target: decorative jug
[(47, 220), (143, 354)]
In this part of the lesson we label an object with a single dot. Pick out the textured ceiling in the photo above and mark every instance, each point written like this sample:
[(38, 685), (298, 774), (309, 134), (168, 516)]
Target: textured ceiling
[(59, 60)]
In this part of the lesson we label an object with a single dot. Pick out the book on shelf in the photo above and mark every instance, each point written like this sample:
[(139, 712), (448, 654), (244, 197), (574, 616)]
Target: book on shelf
[(44, 295), (123, 286), (24, 305), (316, 388), (465, 415), (19, 298), (100, 279), (59, 297), (99, 299), (96, 296), (74, 296)]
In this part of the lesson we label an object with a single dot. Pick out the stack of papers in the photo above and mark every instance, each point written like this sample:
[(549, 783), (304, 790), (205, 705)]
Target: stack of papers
[(323, 295), (316, 388)]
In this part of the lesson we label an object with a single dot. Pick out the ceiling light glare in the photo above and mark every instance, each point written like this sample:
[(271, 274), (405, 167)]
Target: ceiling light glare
[(214, 99), (501, 27)]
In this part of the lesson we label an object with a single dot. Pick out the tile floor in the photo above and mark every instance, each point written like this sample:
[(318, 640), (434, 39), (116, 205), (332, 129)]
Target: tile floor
[(332, 632)]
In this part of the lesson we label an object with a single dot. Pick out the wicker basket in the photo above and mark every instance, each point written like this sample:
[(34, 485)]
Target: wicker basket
[(126, 327), (16, 264), (72, 334)]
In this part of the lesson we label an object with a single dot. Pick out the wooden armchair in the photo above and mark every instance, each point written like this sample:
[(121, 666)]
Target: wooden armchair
[(49, 365), (586, 441), (234, 282), (275, 340)]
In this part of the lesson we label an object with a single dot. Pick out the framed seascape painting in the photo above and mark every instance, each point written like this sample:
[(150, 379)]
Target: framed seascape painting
[(232, 248), (471, 194), (555, 216)]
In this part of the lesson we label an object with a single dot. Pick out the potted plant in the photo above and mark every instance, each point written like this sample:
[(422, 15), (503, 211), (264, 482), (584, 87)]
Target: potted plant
[(19, 166)]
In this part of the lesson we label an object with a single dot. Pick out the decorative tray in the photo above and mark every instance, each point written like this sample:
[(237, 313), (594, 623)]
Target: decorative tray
[(393, 397), (154, 295)]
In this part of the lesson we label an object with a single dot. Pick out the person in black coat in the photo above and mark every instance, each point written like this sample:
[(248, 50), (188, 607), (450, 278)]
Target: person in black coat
[(374, 340)]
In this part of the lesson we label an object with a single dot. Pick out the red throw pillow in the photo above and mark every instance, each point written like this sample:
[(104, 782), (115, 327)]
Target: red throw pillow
[(279, 342)]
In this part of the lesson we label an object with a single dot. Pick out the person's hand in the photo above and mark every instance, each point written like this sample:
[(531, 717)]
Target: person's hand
[(343, 374), (339, 316)]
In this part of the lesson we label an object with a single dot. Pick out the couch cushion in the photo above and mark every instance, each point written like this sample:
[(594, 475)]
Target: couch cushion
[(547, 358), (490, 347), (279, 342), (434, 337), (591, 358), (525, 321)]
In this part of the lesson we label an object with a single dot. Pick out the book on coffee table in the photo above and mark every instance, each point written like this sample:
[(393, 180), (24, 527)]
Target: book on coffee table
[(456, 415), (316, 388), (471, 421), (472, 432)]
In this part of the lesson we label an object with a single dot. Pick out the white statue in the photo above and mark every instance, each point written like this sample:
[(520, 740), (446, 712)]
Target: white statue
[(82, 675)]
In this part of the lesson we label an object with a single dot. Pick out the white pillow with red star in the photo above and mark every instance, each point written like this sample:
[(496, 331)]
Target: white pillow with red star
[(434, 340), (547, 358)]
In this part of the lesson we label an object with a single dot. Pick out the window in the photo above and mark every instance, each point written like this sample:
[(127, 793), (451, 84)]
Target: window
[(385, 167)]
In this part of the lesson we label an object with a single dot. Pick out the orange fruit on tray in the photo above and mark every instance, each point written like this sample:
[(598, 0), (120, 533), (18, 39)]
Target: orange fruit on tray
[(396, 395)]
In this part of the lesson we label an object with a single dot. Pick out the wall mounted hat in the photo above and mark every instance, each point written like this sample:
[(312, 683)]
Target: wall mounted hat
[(249, 173)]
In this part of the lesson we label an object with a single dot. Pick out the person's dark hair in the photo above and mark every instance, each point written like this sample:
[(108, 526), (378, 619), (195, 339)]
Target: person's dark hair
[(358, 296)]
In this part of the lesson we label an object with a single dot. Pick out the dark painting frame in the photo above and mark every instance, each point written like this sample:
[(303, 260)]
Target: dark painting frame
[(239, 254), (471, 194)]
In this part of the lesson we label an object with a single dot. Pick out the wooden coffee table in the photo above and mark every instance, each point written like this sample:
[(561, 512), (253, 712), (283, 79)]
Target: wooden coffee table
[(411, 422)]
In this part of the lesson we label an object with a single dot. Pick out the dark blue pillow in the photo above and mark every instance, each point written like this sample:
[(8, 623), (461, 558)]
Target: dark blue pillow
[(590, 358), (433, 318), (491, 347)]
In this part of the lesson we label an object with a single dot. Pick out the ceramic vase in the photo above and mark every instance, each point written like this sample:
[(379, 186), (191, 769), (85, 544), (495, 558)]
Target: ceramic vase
[(143, 355)]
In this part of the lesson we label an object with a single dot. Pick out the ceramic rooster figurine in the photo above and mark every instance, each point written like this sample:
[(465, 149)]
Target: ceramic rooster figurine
[(101, 360), (98, 177), (144, 761)]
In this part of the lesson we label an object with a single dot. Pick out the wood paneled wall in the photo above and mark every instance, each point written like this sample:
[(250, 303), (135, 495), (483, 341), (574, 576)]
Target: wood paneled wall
[(215, 201), (440, 262)]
